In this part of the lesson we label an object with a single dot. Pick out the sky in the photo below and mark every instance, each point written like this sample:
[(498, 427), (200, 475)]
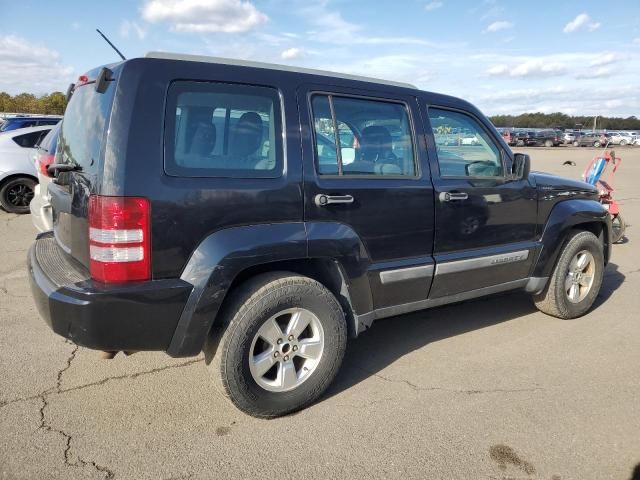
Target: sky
[(576, 57)]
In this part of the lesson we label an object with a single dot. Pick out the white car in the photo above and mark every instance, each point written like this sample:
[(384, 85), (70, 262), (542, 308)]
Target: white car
[(40, 206), (469, 140), (18, 176), (621, 138)]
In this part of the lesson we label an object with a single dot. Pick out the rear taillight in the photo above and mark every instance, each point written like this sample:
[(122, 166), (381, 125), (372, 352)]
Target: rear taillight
[(43, 162), (119, 239)]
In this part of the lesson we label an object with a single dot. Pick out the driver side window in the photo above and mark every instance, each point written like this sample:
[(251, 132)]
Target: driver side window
[(464, 148)]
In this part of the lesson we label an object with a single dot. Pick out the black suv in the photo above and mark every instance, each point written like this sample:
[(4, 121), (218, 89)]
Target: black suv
[(546, 138), (266, 214)]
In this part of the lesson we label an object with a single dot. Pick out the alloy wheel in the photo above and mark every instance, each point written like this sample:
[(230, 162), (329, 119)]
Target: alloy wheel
[(580, 276), (19, 195), (286, 350)]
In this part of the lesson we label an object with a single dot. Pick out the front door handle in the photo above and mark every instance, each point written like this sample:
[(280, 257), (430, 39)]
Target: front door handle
[(452, 196), (323, 200)]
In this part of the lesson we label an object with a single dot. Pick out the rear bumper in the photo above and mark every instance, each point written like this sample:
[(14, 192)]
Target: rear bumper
[(136, 316)]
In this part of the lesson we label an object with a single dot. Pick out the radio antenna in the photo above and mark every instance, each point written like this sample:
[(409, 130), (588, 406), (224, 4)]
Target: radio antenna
[(111, 44)]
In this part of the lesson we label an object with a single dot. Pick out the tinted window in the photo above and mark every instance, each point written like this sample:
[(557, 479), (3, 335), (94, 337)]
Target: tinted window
[(216, 129), (465, 149), (84, 127), (362, 137), (30, 140)]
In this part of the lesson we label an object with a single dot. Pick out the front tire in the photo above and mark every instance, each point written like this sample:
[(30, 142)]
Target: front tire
[(576, 279), (284, 340), (576, 144), (548, 144), (16, 194)]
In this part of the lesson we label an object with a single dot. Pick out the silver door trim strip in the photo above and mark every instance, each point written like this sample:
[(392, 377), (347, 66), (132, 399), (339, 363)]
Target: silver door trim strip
[(481, 262), (410, 273)]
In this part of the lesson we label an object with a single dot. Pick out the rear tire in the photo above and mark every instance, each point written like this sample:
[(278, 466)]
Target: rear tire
[(574, 286), (16, 194), (576, 144), (618, 226), (596, 144), (623, 143), (548, 143), (256, 365)]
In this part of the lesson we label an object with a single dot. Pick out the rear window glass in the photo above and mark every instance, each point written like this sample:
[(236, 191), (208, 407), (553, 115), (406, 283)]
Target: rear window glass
[(30, 140), (84, 127), (223, 130)]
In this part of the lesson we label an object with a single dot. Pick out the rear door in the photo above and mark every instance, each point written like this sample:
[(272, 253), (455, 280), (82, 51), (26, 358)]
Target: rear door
[(365, 169), (485, 220)]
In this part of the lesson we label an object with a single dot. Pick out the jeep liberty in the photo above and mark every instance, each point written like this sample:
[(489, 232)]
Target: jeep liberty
[(265, 214)]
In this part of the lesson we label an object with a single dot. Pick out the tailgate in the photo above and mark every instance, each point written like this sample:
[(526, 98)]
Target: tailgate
[(81, 145)]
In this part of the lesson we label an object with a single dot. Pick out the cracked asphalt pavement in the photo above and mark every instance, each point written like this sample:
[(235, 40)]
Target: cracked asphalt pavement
[(487, 389)]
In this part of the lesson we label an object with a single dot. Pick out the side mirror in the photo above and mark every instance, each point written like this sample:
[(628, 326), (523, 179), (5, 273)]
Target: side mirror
[(521, 166)]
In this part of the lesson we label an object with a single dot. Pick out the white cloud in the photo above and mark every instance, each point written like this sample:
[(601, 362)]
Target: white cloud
[(433, 6), (581, 21), (602, 72), (291, 53), (329, 26), (498, 70), (620, 100), (606, 59), (499, 25), (127, 27), (636, 40), (29, 67), (535, 67), (229, 16)]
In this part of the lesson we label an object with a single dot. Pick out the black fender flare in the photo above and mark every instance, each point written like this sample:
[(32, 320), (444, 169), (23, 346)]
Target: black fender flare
[(215, 263), (565, 216), (224, 254)]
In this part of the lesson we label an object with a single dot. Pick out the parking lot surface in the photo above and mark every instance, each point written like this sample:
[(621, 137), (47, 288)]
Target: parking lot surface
[(487, 389)]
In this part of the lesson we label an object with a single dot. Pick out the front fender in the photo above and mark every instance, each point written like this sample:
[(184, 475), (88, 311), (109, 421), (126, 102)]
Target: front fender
[(564, 216), (214, 265)]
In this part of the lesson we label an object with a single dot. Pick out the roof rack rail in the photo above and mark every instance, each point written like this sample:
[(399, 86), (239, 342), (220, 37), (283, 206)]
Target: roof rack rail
[(273, 66)]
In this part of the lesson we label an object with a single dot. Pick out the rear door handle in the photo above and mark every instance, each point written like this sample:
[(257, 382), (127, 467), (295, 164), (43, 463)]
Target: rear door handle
[(452, 196), (323, 200)]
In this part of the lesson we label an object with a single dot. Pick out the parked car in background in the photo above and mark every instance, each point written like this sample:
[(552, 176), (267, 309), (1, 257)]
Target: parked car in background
[(547, 138), (197, 230), (44, 156), (509, 137), (621, 138), (15, 123), (521, 137), (591, 139), (568, 137), (469, 139), (18, 176)]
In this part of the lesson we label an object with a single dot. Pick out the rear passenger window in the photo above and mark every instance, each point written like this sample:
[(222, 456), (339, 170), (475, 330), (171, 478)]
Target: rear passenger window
[(223, 130), (464, 148), (355, 136)]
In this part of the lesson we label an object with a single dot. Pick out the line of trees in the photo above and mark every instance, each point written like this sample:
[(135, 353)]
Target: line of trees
[(52, 104), (550, 120)]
